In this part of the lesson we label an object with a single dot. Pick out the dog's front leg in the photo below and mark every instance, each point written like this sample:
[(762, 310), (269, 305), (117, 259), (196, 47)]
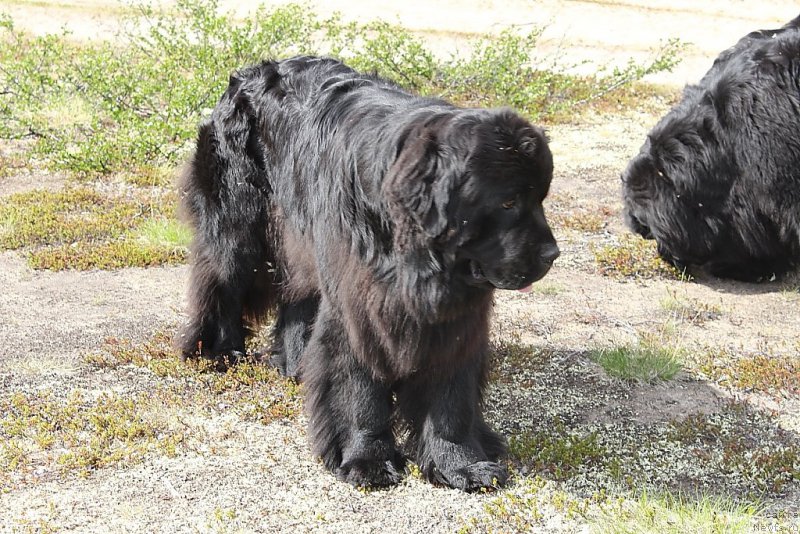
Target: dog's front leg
[(349, 410), (454, 446)]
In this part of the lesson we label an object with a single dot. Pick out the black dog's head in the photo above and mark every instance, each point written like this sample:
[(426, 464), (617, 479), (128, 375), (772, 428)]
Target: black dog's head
[(714, 182), (685, 192), (667, 201), (472, 184)]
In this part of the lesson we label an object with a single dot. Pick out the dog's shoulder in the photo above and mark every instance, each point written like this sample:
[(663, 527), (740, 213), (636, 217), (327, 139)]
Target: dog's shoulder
[(759, 53)]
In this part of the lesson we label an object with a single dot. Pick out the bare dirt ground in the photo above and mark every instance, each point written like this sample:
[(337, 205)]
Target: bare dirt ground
[(265, 473)]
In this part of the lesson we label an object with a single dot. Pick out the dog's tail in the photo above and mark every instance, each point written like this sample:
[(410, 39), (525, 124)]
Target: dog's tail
[(226, 198)]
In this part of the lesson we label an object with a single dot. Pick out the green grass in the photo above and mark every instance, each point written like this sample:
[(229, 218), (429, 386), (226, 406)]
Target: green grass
[(163, 232), (677, 514), (526, 504), (639, 363)]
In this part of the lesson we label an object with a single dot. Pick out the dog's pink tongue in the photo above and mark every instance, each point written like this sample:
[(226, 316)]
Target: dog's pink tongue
[(525, 289)]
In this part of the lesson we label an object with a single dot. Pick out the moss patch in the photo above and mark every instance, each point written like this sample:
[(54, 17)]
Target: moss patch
[(252, 390), (82, 228), (43, 435), (558, 453), (583, 220), (634, 257), (759, 372)]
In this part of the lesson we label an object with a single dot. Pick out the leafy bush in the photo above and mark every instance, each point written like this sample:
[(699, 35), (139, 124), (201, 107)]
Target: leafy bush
[(136, 102), (129, 107)]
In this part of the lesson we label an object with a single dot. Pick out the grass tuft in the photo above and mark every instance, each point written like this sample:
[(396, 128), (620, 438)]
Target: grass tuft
[(678, 514), (167, 233), (639, 363)]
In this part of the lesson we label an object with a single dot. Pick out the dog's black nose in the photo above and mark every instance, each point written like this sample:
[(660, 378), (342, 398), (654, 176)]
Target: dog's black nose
[(549, 253)]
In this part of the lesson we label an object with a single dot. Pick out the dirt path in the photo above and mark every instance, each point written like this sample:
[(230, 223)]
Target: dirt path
[(264, 474)]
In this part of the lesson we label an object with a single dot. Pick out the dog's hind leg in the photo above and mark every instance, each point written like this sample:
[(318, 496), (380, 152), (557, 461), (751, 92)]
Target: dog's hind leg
[(225, 277), (291, 333), (226, 198)]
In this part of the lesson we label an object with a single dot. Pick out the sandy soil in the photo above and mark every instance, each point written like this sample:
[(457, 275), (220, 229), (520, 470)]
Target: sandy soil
[(49, 321)]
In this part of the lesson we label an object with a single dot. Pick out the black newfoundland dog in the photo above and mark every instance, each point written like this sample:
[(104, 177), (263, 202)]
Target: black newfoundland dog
[(377, 224), (717, 183)]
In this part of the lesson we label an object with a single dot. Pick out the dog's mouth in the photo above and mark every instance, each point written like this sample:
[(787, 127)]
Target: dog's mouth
[(638, 226), (519, 283), (477, 273)]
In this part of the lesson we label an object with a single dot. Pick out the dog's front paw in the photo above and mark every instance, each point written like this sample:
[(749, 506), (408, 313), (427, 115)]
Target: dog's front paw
[(472, 477), (363, 473)]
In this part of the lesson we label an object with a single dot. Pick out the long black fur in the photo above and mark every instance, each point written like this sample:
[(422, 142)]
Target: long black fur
[(378, 224), (717, 183)]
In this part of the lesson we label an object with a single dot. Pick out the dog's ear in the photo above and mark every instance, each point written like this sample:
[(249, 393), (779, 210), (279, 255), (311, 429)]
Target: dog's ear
[(418, 186), (642, 176), (527, 144)]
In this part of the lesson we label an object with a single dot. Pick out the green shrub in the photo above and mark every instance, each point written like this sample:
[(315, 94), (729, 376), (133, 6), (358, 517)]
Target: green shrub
[(136, 101)]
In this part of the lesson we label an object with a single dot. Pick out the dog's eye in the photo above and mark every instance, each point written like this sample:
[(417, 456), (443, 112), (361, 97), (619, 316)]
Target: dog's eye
[(508, 204)]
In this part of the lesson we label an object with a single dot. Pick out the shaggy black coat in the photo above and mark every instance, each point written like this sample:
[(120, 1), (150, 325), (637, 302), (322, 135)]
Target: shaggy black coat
[(717, 183), (378, 224)]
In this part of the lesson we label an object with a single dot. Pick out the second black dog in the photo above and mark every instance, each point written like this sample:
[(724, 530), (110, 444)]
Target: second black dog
[(717, 183)]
